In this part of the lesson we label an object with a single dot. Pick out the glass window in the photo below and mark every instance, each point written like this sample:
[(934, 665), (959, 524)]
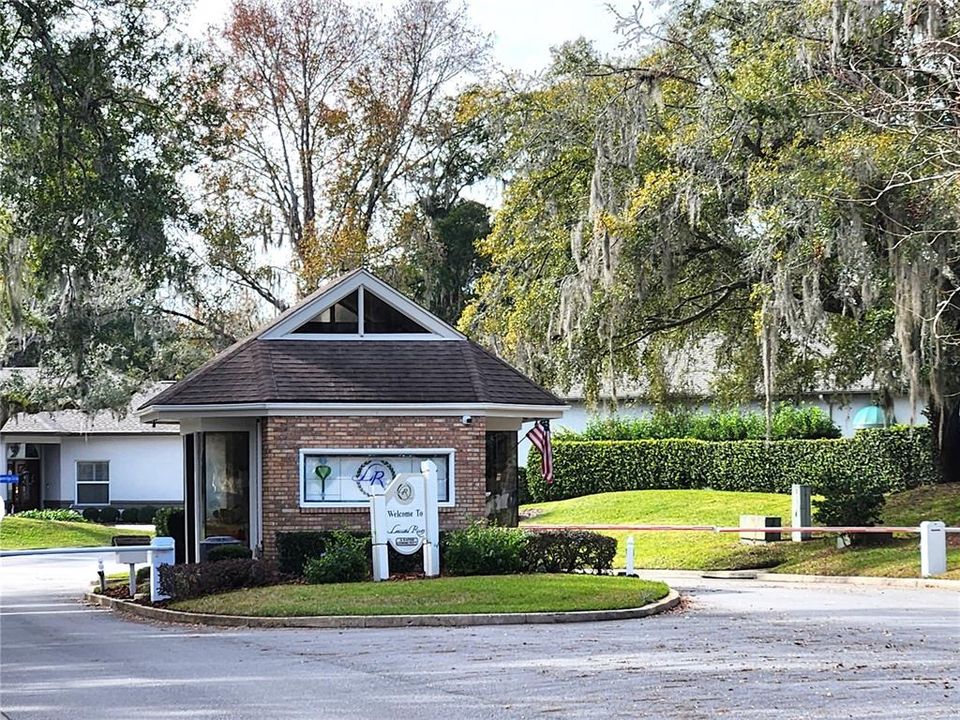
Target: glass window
[(346, 478), (226, 484), (93, 483), (341, 318), (502, 503), (379, 317)]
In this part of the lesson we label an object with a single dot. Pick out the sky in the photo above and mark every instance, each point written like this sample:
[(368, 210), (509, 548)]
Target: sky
[(523, 30)]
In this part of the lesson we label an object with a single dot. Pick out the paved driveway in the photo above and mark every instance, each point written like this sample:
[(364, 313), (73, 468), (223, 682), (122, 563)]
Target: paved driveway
[(740, 650)]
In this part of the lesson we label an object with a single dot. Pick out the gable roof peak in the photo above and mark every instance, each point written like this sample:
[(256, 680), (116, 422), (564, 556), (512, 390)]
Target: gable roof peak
[(335, 289)]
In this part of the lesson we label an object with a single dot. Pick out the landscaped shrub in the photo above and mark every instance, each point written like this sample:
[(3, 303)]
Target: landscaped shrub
[(482, 550), (789, 422), (228, 552), (109, 515), (92, 514), (295, 548), (569, 551), (344, 560), (143, 574), (848, 500), (146, 514), (197, 579), (130, 516), (61, 515), (164, 518), (892, 460)]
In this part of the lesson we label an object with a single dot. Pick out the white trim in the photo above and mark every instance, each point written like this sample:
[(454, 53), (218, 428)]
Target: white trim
[(393, 337), (285, 325), (173, 413), (451, 454), (77, 481)]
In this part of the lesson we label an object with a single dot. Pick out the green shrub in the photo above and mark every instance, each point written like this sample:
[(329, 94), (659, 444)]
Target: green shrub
[(162, 520), (482, 550), (344, 560), (143, 575), (892, 460), (207, 578), (848, 500), (295, 548), (109, 515), (61, 515), (146, 514), (130, 516), (789, 422), (91, 514), (569, 551), (228, 552)]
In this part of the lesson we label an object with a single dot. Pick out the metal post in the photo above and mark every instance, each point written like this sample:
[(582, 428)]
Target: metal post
[(161, 553), (101, 575), (630, 555), (800, 514), (431, 545), (933, 548)]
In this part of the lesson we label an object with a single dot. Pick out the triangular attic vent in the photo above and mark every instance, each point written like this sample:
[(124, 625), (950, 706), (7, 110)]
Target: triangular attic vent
[(343, 318)]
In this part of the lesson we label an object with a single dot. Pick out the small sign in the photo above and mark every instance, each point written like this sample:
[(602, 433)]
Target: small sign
[(9, 478), (405, 510)]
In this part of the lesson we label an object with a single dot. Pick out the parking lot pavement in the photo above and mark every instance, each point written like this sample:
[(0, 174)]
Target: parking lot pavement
[(739, 648)]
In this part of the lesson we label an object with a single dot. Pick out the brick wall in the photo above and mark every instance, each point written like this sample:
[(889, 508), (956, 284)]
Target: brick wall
[(284, 437)]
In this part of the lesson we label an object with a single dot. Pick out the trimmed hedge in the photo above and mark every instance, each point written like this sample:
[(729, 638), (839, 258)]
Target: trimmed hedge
[(569, 551), (194, 580), (891, 460), (294, 549), (58, 514), (228, 552)]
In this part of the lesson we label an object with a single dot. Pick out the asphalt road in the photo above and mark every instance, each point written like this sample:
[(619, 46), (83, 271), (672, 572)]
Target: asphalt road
[(740, 649)]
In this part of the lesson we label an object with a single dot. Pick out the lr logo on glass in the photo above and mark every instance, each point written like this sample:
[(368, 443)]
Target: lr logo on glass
[(373, 476), (405, 509)]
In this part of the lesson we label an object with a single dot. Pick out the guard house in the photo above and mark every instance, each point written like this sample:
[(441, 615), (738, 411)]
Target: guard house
[(287, 429)]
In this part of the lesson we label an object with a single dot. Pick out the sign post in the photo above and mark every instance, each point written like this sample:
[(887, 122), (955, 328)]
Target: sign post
[(404, 516)]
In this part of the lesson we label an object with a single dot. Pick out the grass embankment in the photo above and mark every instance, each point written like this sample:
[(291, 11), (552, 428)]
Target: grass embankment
[(20, 533), (713, 551), (441, 596)]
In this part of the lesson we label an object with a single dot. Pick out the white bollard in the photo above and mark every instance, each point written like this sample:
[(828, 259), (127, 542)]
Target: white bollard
[(933, 548), (161, 553), (378, 526), (630, 555), (431, 545), (800, 515)]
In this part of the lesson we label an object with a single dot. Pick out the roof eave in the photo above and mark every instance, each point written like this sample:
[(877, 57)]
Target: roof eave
[(175, 413)]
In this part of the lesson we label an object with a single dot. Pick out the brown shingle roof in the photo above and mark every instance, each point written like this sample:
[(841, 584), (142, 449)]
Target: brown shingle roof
[(356, 371)]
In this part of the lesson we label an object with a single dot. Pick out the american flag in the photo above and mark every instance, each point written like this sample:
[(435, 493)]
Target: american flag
[(539, 435)]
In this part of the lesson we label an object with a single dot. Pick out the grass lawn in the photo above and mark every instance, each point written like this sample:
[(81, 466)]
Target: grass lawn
[(712, 551), (441, 596), (672, 550), (19, 533)]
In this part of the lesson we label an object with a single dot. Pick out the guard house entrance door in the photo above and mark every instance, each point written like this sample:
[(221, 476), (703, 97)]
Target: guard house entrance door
[(26, 492)]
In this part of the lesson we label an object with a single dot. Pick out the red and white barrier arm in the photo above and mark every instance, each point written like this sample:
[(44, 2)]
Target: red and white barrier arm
[(849, 530)]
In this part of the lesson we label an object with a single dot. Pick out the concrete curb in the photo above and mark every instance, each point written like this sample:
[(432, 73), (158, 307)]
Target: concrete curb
[(671, 600), (763, 576)]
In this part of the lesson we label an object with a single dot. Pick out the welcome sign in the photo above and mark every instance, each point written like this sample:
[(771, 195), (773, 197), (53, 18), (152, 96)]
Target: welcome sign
[(404, 516), (406, 513)]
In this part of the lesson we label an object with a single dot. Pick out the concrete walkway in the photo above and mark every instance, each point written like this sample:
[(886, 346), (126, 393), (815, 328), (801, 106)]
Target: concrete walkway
[(740, 649)]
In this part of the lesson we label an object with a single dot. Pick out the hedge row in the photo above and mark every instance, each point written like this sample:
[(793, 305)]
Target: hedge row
[(474, 550), (891, 460)]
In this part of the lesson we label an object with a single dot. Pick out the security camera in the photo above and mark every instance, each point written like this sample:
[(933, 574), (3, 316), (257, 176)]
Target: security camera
[(467, 419)]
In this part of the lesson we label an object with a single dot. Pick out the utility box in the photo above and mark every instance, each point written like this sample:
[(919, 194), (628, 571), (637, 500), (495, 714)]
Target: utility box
[(207, 544), (760, 521), (800, 511)]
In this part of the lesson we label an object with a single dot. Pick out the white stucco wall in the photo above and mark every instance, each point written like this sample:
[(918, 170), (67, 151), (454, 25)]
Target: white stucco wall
[(143, 468)]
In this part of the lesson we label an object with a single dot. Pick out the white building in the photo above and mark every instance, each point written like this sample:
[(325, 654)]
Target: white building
[(70, 458)]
